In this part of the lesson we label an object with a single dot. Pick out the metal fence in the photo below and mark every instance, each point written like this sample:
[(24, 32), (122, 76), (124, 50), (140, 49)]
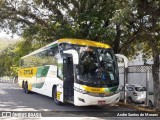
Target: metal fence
[(7, 79), (141, 75)]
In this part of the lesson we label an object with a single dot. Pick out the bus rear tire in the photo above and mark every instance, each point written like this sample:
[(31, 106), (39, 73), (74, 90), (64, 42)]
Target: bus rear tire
[(23, 86), (57, 102)]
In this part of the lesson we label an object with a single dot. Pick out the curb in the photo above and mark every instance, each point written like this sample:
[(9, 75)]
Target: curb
[(139, 108)]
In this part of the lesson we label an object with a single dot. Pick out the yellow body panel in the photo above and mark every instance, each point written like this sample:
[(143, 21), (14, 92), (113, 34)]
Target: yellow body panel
[(84, 42), (27, 72), (29, 86), (95, 90)]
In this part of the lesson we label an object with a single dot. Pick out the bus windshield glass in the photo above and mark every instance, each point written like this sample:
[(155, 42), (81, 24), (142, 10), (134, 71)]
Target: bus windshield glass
[(97, 67)]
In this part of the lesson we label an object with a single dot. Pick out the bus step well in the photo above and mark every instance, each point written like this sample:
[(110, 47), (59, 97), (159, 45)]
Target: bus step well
[(69, 101)]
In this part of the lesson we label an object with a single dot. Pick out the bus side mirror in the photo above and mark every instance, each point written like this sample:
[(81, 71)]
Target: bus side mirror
[(74, 54)]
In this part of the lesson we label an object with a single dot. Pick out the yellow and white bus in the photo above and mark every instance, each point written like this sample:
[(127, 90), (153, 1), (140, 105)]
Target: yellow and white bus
[(77, 71)]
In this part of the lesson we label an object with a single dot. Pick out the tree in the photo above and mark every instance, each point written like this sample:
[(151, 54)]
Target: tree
[(150, 11), (10, 56), (121, 23), (6, 61), (136, 23), (48, 19)]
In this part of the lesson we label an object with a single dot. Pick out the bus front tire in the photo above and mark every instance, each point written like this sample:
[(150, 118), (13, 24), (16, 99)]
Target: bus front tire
[(57, 102), (26, 88)]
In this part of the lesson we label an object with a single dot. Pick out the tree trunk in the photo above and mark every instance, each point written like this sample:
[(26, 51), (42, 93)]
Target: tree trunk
[(116, 42), (155, 74)]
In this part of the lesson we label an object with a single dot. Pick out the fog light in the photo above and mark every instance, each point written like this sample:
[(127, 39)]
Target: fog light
[(82, 100)]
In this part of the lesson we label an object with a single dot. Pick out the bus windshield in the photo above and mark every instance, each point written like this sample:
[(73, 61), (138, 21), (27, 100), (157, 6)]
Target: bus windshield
[(97, 67)]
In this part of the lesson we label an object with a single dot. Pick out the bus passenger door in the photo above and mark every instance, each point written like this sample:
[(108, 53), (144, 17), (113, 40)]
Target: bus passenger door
[(68, 78), (65, 73), (60, 75)]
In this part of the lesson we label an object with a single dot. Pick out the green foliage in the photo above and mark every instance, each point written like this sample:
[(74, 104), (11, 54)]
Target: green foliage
[(6, 61), (121, 23), (5, 42), (11, 55), (47, 20)]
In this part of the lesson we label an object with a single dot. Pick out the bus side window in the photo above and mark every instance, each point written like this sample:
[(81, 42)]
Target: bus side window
[(53, 52)]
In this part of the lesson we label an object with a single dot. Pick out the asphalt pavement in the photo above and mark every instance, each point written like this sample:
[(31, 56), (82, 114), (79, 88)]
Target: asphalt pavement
[(13, 99)]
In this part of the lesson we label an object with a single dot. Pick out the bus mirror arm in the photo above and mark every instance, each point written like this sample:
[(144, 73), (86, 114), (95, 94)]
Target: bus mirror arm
[(74, 54), (124, 58), (125, 73)]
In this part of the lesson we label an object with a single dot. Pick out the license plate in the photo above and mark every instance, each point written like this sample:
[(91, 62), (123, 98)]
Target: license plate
[(101, 102)]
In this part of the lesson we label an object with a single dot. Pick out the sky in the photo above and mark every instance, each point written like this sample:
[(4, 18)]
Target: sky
[(8, 36)]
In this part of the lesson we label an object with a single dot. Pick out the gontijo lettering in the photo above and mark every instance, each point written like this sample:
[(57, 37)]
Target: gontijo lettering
[(28, 71), (93, 89)]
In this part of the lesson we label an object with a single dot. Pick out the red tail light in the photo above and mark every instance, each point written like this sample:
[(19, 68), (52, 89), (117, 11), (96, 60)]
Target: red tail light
[(134, 93)]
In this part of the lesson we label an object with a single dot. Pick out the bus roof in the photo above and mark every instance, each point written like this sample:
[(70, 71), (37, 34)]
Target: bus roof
[(83, 42)]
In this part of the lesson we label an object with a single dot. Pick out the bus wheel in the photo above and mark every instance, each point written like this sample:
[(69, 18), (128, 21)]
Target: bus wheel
[(55, 96), (23, 86), (26, 88)]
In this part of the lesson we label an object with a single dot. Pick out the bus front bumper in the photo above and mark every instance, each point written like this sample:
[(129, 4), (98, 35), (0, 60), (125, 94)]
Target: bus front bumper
[(86, 100)]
